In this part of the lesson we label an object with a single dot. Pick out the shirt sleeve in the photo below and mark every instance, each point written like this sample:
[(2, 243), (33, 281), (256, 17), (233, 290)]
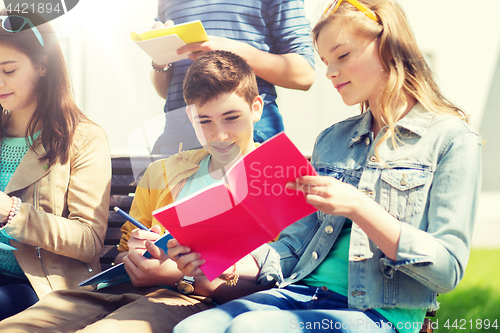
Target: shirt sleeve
[(290, 28), (268, 261), (81, 234), (141, 209), (279, 259), (438, 256)]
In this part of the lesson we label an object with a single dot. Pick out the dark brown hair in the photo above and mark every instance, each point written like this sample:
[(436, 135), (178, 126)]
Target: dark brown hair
[(56, 111), (217, 72)]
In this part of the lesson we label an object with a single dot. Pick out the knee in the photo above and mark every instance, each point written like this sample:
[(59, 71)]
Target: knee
[(196, 323), (258, 321), (188, 325)]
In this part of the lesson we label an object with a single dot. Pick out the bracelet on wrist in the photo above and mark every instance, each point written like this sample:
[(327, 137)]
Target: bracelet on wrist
[(231, 279), (14, 210), (162, 69)]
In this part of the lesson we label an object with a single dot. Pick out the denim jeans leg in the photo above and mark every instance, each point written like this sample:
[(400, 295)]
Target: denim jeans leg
[(299, 321), (15, 295), (296, 308), (309, 309), (218, 319), (270, 124)]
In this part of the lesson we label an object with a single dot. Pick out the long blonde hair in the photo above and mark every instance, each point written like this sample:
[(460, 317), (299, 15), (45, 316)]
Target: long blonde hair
[(408, 72)]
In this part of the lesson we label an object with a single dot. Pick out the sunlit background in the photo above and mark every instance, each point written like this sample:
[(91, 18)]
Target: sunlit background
[(460, 39)]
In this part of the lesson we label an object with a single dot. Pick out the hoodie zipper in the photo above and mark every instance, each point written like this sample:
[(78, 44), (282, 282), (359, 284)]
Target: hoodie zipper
[(35, 204)]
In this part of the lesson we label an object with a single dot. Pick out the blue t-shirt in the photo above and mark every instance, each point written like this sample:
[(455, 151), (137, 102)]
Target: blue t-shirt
[(274, 26), (199, 180)]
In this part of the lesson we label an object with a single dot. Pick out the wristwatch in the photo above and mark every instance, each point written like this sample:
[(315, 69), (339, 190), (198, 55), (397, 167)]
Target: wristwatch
[(185, 285)]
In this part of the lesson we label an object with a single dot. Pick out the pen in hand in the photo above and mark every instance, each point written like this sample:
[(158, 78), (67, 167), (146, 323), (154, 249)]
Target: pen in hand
[(131, 219), (163, 239)]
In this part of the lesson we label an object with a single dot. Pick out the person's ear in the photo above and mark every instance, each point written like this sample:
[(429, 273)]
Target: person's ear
[(257, 107), (43, 66)]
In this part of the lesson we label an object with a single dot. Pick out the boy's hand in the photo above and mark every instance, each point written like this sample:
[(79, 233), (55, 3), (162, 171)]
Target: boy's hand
[(138, 238), (144, 271), (213, 43), (187, 262)]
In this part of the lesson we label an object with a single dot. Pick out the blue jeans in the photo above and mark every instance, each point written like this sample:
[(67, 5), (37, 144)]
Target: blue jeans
[(270, 124), (15, 295), (178, 129), (296, 308)]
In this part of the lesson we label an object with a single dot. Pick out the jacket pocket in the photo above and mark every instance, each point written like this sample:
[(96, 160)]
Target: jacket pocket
[(403, 191), (348, 176), (330, 171)]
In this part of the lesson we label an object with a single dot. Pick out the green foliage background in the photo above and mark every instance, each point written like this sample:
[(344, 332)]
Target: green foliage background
[(476, 297)]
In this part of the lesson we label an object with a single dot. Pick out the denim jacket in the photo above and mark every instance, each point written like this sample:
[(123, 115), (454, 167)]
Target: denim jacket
[(430, 183)]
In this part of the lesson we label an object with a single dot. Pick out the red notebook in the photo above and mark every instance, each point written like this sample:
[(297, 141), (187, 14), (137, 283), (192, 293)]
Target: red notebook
[(226, 221)]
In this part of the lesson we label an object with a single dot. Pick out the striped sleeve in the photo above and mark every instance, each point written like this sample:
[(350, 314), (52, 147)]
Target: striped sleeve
[(290, 29)]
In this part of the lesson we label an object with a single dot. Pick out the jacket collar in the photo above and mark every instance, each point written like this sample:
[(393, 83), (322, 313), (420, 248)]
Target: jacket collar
[(362, 129), (30, 169), (181, 166), (416, 121)]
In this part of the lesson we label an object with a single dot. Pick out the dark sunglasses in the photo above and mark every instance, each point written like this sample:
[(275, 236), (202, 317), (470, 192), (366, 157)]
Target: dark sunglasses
[(16, 23)]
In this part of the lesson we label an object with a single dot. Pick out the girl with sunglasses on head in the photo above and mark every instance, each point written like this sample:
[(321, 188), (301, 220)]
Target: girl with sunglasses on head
[(396, 194), (54, 171)]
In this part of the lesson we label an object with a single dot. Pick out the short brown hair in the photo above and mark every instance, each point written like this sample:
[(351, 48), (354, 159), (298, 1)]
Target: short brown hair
[(218, 72)]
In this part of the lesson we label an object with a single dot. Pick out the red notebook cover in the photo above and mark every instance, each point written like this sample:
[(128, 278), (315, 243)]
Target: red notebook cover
[(226, 221)]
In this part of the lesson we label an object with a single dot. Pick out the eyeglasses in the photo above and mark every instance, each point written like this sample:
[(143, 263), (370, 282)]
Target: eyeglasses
[(365, 10), (16, 23)]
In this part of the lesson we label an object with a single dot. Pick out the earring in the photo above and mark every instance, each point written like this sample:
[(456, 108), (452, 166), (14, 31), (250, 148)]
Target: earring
[(6, 112)]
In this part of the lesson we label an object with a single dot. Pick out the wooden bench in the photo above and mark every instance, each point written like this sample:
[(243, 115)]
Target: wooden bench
[(123, 185), (426, 326)]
